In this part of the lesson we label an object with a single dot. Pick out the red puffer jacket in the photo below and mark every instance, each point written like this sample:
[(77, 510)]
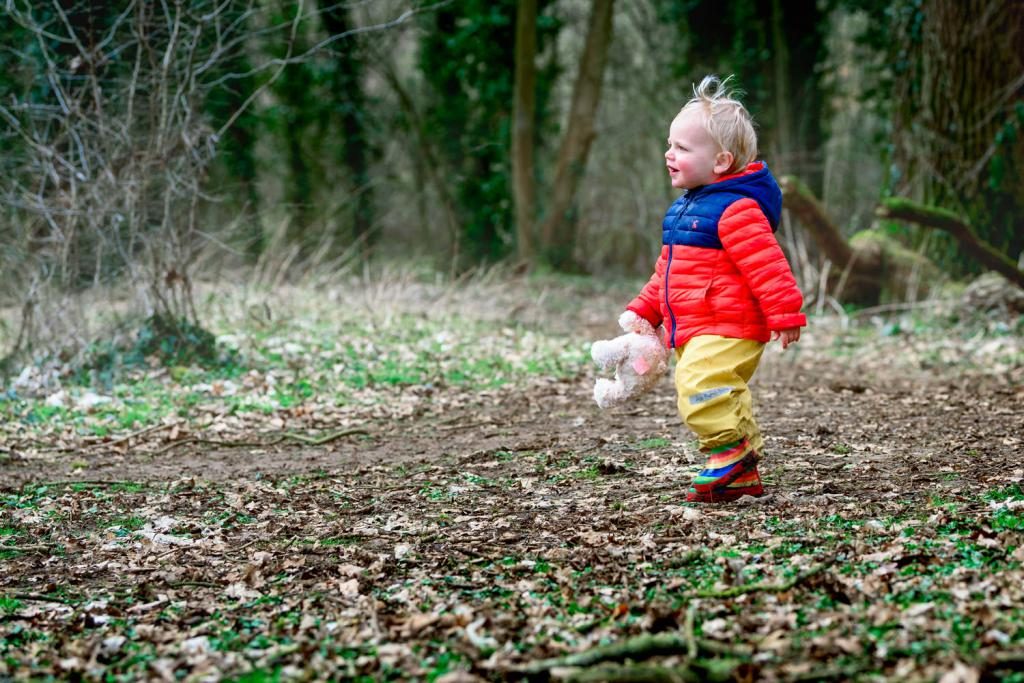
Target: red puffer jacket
[(721, 270)]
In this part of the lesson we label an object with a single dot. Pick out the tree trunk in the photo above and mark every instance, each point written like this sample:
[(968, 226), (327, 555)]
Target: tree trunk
[(348, 90), (783, 121), (525, 97), (558, 234), (431, 158)]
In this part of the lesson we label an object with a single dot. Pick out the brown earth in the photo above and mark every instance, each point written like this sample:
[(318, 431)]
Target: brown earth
[(829, 428)]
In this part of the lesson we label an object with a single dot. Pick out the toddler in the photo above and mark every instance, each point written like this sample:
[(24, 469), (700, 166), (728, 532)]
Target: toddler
[(722, 286)]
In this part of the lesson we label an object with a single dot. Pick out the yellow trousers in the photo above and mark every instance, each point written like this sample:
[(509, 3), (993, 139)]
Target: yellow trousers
[(711, 379)]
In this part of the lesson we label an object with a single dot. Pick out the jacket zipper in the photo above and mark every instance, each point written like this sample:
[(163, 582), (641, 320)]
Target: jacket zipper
[(668, 269), (671, 315)]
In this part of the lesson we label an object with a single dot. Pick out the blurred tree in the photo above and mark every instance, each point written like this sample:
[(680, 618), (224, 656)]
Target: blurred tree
[(523, 136), (349, 107), (558, 231), (298, 104), (236, 168), (467, 59)]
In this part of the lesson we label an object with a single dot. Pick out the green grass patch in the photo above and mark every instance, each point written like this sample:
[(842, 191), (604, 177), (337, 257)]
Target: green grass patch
[(651, 444), (9, 605)]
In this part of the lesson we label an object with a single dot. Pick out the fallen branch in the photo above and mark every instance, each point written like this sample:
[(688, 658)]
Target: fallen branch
[(655, 644), (903, 209), (802, 203), (762, 587), (696, 671), (639, 647)]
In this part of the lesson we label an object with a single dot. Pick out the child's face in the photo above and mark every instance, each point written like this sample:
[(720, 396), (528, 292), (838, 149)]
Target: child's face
[(693, 159)]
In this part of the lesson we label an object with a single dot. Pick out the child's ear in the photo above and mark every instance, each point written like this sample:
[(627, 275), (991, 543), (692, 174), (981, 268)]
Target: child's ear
[(723, 162)]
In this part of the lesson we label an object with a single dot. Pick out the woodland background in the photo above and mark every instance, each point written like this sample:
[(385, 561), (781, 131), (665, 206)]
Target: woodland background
[(296, 301), (148, 146)]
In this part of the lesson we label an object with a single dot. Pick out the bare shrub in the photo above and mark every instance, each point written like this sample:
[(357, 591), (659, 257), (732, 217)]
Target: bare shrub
[(110, 150), (108, 145)]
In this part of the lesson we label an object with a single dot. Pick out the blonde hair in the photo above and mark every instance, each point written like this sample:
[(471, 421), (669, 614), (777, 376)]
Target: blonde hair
[(726, 120)]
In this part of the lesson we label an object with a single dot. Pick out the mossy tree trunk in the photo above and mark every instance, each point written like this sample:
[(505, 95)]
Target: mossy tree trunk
[(947, 221), (870, 266), (957, 117), (858, 275)]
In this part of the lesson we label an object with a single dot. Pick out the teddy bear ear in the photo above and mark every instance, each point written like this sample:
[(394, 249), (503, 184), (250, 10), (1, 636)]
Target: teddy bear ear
[(640, 365)]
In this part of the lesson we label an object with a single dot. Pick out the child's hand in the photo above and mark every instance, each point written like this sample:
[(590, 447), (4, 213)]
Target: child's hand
[(788, 336)]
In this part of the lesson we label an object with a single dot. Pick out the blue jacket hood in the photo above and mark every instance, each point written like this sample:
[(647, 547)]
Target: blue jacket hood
[(756, 183)]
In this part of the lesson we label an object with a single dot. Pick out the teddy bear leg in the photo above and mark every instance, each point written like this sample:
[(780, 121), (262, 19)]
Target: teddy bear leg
[(608, 392)]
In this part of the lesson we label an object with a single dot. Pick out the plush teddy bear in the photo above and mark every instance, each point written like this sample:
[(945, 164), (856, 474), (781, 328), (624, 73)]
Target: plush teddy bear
[(639, 358)]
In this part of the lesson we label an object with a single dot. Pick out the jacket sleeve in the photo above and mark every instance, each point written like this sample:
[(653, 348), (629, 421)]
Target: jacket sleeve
[(647, 304), (750, 243)]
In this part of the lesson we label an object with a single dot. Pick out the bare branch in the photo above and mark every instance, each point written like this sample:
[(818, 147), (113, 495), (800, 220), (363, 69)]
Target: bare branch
[(258, 91), (323, 44)]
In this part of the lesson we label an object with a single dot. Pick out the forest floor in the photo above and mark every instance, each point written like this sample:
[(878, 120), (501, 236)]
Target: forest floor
[(415, 483)]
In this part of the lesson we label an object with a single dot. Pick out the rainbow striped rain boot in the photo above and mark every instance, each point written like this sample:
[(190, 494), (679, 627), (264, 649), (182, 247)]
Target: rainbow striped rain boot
[(730, 472)]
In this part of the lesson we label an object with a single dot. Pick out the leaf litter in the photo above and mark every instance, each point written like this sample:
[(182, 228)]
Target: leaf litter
[(475, 517)]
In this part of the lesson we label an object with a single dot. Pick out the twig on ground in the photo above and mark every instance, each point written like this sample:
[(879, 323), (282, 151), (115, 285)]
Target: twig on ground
[(308, 440), (133, 435), (90, 482), (691, 639), (38, 598), (321, 440), (465, 425), (195, 584), (25, 548), (173, 550)]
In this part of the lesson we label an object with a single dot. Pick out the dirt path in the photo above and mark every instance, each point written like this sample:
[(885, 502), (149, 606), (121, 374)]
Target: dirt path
[(830, 429)]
